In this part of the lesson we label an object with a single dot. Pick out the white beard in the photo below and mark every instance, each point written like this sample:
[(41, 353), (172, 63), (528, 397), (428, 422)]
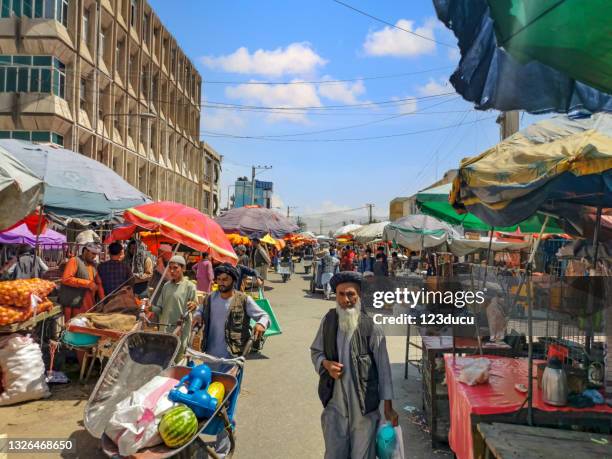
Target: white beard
[(348, 319)]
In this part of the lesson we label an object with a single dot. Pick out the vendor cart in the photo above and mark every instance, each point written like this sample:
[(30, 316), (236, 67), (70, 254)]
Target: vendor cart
[(139, 357)]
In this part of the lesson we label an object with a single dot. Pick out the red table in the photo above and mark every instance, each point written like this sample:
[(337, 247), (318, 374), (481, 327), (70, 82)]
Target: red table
[(495, 398)]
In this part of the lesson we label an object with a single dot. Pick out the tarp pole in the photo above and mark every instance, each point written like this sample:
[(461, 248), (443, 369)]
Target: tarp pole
[(38, 228), (530, 325), (589, 330)]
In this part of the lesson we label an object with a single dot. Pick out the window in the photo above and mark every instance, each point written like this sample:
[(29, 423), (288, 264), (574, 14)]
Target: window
[(85, 31), (101, 40), (32, 74), (83, 92), (133, 9), (145, 28), (34, 136), (50, 9)]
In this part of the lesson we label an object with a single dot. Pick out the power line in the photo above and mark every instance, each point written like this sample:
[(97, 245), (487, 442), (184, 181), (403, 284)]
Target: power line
[(401, 134), (392, 25), (325, 82), (368, 123)]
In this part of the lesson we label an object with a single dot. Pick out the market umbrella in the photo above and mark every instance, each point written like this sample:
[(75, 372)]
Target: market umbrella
[(185, 225), (417, 232), (572, 36), (254, 221), (435, 201), (346, 230), (559, 166), (22, 235), (21, 190), (369, 233), (492, 78), (74, 186)]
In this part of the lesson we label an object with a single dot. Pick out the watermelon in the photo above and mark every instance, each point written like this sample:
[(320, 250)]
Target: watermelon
[(177, 426)]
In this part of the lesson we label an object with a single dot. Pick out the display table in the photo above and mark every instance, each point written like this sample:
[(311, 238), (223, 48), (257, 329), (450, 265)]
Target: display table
[(435, 395), (498, 400), (31, 322), (509, 441)]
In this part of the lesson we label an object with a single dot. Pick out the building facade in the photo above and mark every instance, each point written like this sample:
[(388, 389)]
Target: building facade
[(106, 78), (243, 192)]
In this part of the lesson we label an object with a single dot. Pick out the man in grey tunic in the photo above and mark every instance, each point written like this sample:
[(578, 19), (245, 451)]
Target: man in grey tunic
[(350, 355)]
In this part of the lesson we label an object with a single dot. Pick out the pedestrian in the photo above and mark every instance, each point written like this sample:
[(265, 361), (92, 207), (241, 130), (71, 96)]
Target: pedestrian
[(141, 264), (204, 273), (329, 265), (160, 274), (380, 266), (27, 265), (367, 262), (396, 263), (243, 258), (349, 353), (114, 273), (260, 260), (225, 317), (81, 285), (347, 259), (177, 297), (413, 262)]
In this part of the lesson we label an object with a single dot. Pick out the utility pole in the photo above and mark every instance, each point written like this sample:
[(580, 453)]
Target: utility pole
[(253, 173), (508, 123), (289, 211), (320, 226), (370, 206)]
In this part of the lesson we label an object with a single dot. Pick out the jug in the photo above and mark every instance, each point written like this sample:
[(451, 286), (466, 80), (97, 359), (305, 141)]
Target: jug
[(554, 384)]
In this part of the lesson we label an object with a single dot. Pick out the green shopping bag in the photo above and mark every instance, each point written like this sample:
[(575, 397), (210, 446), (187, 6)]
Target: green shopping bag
[(274, 328)]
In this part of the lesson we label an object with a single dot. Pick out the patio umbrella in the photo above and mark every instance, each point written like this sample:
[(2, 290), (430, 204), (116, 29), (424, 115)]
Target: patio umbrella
[(74, 186), (185, 225), (435, 201), (417, 232), (369, 233), (559, 166), (346, 230), (572, 36), (253, 221), (21, 190), (22, 235), (490, 77)]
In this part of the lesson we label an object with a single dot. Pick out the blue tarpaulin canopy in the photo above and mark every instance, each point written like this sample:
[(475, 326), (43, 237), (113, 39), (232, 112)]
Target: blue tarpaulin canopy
[(75, 186), (491, 78)]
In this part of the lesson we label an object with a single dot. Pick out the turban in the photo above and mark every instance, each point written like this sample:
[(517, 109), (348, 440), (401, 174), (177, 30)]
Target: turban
[(226, 268), (345, 277)]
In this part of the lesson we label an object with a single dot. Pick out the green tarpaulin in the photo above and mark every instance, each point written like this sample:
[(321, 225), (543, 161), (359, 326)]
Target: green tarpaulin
[(434, 202), (572, 36)]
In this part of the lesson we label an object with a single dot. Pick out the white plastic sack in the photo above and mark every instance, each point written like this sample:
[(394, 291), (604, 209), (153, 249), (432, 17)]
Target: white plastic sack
[(134, 424), (475, 372), (23, 370)]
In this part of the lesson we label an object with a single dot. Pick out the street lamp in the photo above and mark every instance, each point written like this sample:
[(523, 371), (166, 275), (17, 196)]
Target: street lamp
[(142, 115)]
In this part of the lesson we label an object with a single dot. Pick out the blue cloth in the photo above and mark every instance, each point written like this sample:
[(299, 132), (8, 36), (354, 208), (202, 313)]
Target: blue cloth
[(594, 395), (492, 79), (367, 264)]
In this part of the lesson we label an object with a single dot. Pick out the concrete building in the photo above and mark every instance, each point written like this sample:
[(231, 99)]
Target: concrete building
[(243, 192), (107, 79)]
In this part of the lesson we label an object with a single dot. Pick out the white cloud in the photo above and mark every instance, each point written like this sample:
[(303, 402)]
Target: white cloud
[(406, 106), (454, 54), (278, 95), (434, 88), (342, 91), (295, 59), (222, 120), (394, 42), (276, 201)]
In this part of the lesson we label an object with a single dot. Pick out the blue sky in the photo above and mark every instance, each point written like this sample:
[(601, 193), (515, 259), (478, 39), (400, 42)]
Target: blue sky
[(288, 41)]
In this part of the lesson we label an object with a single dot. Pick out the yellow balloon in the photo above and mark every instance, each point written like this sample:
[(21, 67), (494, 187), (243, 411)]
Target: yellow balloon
[(216, 390)]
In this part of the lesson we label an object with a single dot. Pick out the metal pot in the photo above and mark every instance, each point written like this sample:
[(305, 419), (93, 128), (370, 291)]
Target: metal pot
[(554, 384)]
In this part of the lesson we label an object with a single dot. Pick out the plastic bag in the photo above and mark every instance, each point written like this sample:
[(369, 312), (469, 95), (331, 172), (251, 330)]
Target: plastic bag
[(475, 372), (134, 424), (23, 370), (497, 321), (387, 447)]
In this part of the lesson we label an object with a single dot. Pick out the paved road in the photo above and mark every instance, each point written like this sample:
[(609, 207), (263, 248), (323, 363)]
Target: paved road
[(278, 414)]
